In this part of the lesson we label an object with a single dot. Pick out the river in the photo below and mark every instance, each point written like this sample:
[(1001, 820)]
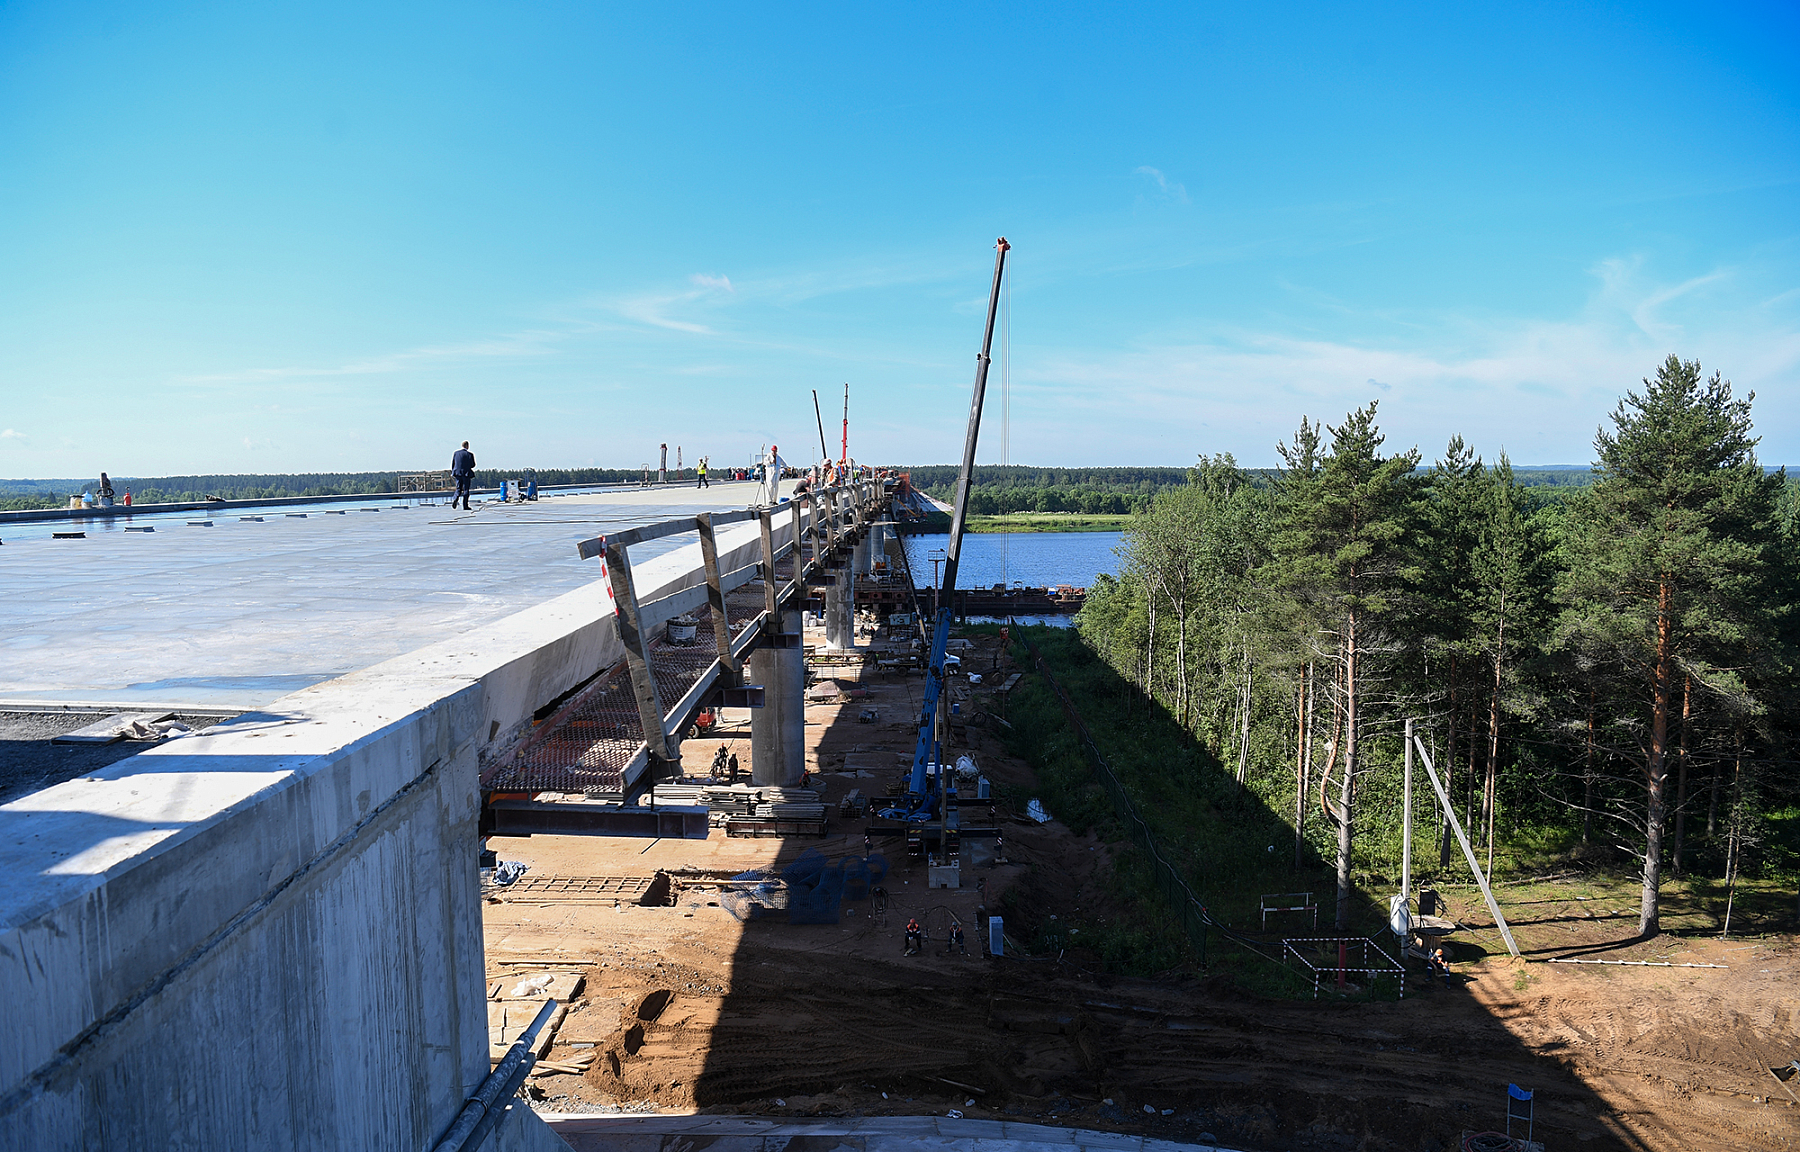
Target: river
[(1033, 559)]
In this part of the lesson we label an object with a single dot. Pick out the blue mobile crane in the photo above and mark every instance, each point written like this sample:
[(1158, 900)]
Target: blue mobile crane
[(924, 795)]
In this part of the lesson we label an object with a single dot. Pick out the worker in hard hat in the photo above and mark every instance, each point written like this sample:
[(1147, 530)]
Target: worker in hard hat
[(1438, 964), (955, 942), (915, 937)]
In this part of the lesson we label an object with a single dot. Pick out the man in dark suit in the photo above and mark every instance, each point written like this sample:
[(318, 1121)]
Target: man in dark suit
[(462, 468)]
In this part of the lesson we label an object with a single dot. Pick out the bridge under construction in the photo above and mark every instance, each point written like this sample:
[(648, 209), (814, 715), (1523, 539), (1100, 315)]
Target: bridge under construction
[(266, 930)]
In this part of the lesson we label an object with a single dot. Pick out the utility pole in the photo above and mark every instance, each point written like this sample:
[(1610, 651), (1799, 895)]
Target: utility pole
[(1406, 819), (845, 458)]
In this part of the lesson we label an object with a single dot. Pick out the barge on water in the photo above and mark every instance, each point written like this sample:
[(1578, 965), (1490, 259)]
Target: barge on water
[(891, 593), (1057, 599)]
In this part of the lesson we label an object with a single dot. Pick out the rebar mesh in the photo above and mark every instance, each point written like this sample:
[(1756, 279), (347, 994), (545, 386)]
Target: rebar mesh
[(588, 745)]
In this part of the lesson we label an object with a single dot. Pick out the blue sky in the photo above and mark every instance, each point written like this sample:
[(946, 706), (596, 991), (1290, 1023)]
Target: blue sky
[(298, 237)]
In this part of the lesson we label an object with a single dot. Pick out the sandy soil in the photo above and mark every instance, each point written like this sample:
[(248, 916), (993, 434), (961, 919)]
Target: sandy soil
[(687, 1009)]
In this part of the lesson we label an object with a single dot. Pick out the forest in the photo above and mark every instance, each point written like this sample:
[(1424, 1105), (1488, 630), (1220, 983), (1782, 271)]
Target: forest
[(1604, 671), (1000, 489), (15, 494), (1005, 489)]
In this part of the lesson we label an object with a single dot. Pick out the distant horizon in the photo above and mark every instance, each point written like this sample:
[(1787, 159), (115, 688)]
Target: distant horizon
[(121, 478)]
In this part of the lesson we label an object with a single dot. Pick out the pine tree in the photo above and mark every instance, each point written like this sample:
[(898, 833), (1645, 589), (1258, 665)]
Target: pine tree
[(1449, 521), (1339, 551), (1669, 560), (1510, 583)]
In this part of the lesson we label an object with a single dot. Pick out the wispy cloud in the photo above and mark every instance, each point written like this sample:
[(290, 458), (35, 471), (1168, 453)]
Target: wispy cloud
[(666, 308), (1622, 285), (1540, 386), (13, 434), (521, 344), (1166, 189), (653, 310)]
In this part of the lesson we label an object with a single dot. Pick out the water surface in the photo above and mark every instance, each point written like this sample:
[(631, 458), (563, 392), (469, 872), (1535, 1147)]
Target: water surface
[(1033, 559)]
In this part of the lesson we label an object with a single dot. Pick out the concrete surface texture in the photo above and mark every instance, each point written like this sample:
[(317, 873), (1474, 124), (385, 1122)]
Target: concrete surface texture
[(188, 933), (606, 1133), (244, 612)]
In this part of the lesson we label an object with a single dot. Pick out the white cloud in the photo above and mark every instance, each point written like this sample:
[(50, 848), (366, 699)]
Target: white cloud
[(1166, 188), (13, 434), (651, 309), (520, 344), (1536, 386), (706, 281)]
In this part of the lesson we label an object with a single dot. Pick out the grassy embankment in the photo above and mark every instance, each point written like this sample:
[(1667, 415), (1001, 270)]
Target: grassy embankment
[(1231, 846), (1049, 522)]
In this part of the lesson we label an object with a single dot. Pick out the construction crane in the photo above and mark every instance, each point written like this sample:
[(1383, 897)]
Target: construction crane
[(923, 798)]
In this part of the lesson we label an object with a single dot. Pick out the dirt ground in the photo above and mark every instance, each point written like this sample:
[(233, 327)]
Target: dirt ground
[(684, 1008)]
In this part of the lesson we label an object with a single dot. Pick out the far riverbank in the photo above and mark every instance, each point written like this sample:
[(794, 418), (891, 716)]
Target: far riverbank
[(1048, 522)]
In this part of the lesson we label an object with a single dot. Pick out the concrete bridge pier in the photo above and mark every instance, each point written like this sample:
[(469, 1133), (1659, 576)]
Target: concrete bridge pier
[(880, 532), (778, 728), (863, 560), (834, 612), (840, 610)]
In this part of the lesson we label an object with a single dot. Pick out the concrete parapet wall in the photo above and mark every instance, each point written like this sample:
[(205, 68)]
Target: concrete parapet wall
[(267, 936)]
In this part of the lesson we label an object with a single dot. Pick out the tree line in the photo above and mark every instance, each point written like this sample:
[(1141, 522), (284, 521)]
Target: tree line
[(1610, 663), (1001, 490), (1004, 489), (260, 486)]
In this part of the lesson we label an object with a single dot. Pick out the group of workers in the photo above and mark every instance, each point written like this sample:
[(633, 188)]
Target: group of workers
[(953, 943), (102, 497), (768, 472)]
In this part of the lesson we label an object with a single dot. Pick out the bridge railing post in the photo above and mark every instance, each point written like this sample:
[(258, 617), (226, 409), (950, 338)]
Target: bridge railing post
[(715, 598), (637, 657)]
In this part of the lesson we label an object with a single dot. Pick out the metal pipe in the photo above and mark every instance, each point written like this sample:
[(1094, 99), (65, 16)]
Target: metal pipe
[(1406, 823), (479, 1115), (1462, 838)]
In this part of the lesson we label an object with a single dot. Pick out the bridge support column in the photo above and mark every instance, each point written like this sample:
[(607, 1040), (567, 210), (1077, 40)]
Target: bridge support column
[(778, 728), (880, 533), (840, 612), (848, 626), (864, 555)]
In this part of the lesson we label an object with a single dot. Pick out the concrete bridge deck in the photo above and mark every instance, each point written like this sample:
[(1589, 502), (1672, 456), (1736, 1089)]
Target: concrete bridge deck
[(246, 611)]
